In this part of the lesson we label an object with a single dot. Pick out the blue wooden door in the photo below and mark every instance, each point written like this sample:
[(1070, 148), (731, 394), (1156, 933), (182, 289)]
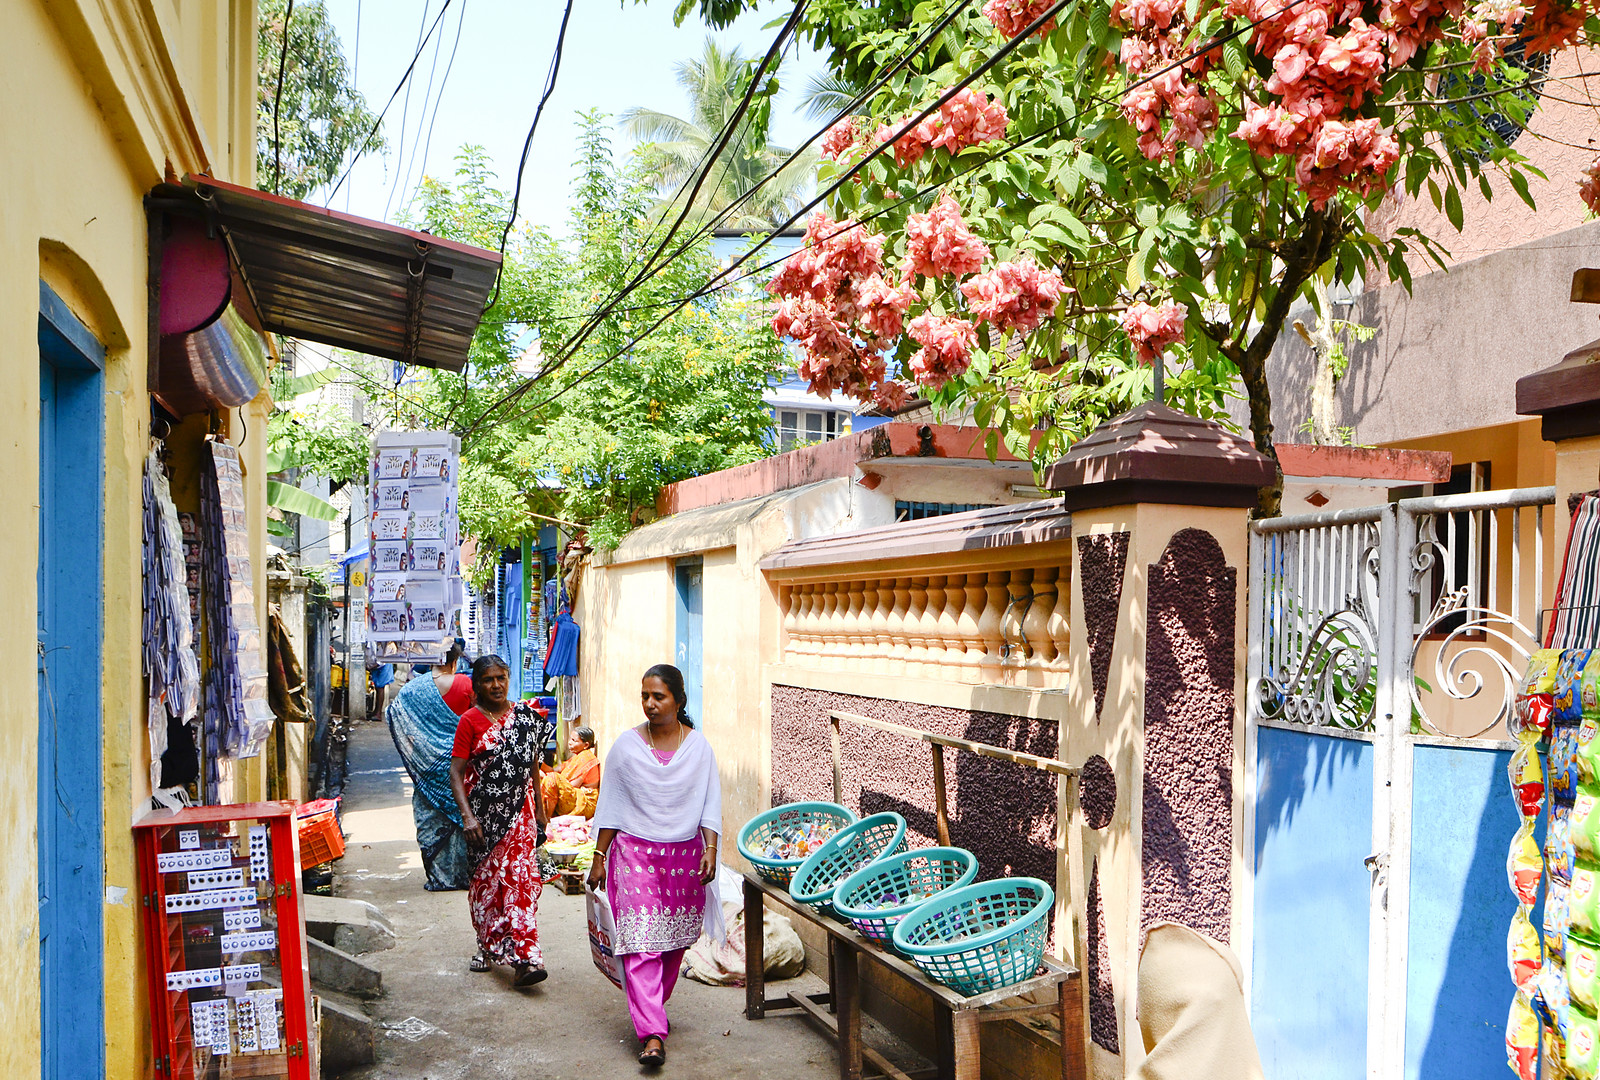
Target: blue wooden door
[(71, 848), (690, 576)]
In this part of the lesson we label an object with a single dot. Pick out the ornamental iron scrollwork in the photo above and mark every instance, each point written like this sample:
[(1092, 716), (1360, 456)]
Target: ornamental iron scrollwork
[(1479, 638), (1332, 684)]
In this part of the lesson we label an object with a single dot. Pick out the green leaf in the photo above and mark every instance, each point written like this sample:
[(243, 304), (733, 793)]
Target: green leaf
[(1519, 181), (1452, 206), (292, 500), (303, 384), (1234, 59), (1092, 167)]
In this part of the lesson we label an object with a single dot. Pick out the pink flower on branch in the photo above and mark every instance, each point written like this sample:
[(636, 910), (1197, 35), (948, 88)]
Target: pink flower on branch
[(947, 343), (841, 137), (1014, 295), (1152, 328), (1012, 17), (939, 243)]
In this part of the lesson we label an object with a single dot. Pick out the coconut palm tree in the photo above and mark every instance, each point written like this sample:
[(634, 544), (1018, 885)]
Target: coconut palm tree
[(671, 148)]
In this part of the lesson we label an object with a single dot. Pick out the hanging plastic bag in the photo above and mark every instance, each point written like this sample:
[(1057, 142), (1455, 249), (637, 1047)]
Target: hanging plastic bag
[(603, 936)]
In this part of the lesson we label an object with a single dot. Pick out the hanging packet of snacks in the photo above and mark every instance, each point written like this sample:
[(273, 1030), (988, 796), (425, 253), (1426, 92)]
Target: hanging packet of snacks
[(1539, 1006), (414, 589)]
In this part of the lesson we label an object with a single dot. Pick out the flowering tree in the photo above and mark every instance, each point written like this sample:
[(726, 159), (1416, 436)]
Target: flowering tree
[(1138, 178)]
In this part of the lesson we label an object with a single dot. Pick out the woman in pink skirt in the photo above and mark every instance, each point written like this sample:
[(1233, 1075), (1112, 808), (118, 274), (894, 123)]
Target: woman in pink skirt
[(658, 819)]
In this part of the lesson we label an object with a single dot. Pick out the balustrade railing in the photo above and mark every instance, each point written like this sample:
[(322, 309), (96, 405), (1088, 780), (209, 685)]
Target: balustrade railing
[(1006, 627)]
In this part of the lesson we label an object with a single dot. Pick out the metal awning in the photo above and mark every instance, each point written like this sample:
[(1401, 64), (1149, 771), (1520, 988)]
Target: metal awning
[(341, 280)]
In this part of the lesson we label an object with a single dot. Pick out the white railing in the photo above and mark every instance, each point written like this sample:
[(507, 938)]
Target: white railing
[(1443, 595), (1006, 627)]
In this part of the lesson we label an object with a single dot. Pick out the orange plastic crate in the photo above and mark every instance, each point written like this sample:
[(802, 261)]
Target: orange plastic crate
[(320, 838)]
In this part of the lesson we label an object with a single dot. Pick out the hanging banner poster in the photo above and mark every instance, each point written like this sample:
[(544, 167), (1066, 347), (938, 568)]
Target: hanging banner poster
[(415, 592)]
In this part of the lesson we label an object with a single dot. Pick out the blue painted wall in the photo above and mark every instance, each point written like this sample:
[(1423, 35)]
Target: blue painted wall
[(1457, 990), (689, 577), (71, 846), (1309, 970)]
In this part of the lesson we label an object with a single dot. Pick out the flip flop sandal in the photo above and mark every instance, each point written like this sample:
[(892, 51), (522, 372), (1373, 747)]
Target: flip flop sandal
[(655, 1057), (528, 976), (477, 963)]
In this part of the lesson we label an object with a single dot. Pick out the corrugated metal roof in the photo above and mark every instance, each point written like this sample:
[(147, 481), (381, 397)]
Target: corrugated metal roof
[(342, 280)]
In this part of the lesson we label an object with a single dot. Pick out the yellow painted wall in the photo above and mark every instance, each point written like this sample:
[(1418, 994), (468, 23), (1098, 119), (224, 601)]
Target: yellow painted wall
[(100, 102)]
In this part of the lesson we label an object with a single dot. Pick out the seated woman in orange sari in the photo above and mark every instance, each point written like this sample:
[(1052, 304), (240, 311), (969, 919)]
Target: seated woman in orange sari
[(574, 785)]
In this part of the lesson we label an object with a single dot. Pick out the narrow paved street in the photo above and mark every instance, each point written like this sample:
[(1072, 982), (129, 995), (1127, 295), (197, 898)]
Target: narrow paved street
[(573, 1025)]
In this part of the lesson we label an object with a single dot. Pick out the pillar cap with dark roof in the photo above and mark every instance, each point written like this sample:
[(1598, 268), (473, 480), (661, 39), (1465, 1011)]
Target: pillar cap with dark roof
[(1565, 395), (1155, 454)]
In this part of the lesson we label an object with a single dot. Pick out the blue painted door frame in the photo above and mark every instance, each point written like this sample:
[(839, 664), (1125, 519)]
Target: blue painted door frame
[(71, 849), (689, 576)]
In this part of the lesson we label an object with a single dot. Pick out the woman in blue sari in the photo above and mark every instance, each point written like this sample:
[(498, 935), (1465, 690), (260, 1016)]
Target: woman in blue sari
[(423, 719)]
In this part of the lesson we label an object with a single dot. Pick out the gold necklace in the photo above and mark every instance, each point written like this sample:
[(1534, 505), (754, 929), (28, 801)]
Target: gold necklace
[(651, 739)]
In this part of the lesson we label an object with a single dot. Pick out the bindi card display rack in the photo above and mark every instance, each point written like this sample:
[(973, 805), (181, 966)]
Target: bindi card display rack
[(225, 943)]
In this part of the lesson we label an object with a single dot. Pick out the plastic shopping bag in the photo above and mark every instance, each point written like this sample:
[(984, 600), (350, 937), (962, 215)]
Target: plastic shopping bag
[(602, 936)]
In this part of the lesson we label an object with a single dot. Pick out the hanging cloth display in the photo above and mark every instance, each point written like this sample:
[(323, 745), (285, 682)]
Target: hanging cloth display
[(1575, 621), (171, 668), (563, 656)]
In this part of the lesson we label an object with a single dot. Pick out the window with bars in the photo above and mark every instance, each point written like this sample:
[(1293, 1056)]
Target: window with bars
[(916, 511)]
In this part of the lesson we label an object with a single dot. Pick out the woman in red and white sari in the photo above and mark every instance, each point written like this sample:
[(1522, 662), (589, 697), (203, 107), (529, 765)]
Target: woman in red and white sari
[(493, 774), (657, 822)]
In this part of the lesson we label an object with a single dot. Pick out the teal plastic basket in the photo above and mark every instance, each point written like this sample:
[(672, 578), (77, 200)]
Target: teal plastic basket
[(761, 828), (979, 937), (877, 896), (845, 852)]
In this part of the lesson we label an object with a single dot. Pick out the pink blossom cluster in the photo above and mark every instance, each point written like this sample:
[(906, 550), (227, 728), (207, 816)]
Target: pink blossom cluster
[(967, 119), (947, 342), (1589, 186), (1014, 295), (837, 306), (841, 137), (1152, 327), (939, 243), (1173, 108), (1327, 60), (1012, 17)]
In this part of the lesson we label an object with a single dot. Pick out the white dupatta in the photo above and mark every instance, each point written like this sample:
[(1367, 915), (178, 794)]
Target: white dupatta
[(667, 803)]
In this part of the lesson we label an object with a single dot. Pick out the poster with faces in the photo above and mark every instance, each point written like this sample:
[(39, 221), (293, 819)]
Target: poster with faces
[(414, 590)]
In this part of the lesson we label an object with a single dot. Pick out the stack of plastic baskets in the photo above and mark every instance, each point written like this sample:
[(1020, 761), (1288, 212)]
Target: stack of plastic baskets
[(320, 838), (845, 852), (979, 937), (798, 816), (877, 896)]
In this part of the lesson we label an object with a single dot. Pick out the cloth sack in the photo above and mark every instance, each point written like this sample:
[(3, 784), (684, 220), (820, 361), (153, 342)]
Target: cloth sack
[(1192, 1012), (602, 934), (725, 964)]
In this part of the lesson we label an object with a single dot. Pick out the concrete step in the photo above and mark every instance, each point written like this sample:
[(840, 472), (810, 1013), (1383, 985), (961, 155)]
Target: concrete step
[(354, 926), (348, 1035), (336, 969)]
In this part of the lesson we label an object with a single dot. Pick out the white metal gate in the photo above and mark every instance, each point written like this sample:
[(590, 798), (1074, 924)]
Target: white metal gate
[(1403, 627)]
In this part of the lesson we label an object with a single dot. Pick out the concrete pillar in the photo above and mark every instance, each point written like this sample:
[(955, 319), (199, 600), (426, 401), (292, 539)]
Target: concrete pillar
[(1159, 505)]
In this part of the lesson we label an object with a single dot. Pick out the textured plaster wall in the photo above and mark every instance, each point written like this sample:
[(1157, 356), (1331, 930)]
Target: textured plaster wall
[(99, 102), (1146, 785), (1003, 813), (1188, 737)]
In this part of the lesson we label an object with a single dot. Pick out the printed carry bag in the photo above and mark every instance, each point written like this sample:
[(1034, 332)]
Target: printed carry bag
[(602, 936)]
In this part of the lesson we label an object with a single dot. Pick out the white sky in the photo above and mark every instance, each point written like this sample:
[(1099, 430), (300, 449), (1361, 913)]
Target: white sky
[(618, 54)]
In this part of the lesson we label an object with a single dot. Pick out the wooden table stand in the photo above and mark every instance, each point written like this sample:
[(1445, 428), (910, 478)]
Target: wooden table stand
[(956, 1018)]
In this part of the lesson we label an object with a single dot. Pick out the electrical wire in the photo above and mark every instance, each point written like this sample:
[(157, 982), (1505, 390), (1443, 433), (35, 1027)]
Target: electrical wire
[(568, 351), (713, 285), (527, 145), (913, 49), (355, 81), (277, 100), (379, 121), (428, 141), (592, 321), (405, 109)]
